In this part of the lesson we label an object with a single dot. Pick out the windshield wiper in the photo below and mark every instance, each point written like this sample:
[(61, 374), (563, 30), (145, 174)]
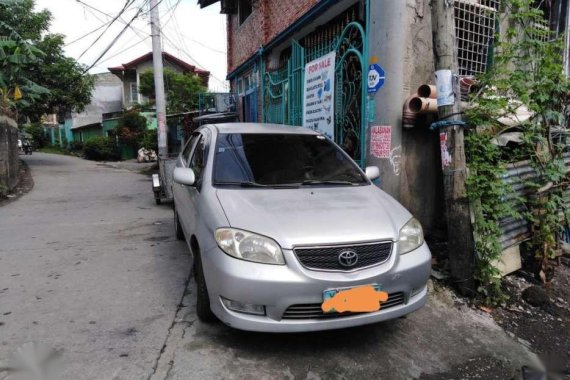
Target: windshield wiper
[(255, 184), (327, 182)]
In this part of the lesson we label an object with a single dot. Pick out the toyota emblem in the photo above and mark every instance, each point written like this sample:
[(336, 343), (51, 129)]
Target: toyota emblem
[(348, 258)]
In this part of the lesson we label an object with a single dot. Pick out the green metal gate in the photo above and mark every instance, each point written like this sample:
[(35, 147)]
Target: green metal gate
[(283, 88)]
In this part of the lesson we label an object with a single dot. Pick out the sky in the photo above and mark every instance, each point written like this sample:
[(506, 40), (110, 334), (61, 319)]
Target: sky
[(197, 36)]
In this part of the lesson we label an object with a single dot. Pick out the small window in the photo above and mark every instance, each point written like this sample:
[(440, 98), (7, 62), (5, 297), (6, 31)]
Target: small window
[(198, 162), (244, 10), (134, 93)]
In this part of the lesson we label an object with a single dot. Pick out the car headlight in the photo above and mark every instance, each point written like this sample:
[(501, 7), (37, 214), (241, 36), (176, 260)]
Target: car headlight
[(411, 236), (249, 246)]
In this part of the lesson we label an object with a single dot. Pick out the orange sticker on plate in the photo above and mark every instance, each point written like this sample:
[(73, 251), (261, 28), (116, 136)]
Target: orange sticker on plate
[(364, 299)]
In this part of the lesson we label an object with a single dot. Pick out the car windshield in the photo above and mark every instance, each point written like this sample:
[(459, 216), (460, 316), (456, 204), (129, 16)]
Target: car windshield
[(258, 160)]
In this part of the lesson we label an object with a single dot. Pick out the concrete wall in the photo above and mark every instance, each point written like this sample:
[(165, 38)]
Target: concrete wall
[(401, 40), (107, 97), (9, 161)]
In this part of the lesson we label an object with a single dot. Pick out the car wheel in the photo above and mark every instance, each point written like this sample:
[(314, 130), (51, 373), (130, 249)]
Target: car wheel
[(202, 299), (177, 227)]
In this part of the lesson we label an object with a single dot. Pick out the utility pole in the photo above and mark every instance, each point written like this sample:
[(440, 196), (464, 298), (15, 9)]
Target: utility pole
[(158, 80), (461, 245)]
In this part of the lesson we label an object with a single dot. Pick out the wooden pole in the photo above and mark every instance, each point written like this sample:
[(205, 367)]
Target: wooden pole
[(451, 131)]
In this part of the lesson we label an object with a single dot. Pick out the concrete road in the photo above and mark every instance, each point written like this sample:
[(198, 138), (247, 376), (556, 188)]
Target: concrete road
[(89, 265)]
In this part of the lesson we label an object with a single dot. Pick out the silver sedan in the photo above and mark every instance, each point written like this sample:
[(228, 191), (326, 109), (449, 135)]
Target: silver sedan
[(288, 234)]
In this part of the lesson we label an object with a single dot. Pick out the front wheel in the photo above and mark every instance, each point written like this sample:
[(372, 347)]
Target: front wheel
[(177, 226), (202, 299)]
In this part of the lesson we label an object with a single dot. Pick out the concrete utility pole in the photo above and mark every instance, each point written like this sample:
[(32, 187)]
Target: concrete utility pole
[(459, 231), (158, 80)]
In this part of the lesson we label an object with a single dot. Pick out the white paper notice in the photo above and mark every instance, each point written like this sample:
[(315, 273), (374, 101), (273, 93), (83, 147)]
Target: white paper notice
[(318, 106)]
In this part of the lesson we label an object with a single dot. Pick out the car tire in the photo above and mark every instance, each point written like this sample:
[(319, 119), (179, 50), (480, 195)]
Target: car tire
[(203, 309), (177, 226)]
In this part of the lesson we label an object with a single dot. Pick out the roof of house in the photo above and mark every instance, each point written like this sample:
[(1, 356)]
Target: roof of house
[(166, 56)]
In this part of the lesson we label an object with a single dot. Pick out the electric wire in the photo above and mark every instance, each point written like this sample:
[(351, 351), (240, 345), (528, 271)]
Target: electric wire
[(121, 12), (115, 39)]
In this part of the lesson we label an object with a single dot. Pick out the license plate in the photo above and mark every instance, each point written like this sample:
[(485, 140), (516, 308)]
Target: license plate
[(360, 299)]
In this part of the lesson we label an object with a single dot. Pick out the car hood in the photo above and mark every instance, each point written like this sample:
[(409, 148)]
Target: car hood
[(315, 215)]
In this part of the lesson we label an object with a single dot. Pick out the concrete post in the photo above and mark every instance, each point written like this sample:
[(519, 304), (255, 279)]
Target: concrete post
[(387, 45)]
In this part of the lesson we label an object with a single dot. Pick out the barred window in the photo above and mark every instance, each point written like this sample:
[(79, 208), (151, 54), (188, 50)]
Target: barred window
[(475, 24)]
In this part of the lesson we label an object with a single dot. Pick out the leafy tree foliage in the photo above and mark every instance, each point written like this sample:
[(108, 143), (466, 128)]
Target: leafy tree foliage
[(32, 63), (131, 129), (181, 89)]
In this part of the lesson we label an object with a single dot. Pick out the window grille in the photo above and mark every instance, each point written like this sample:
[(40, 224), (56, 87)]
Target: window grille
[(475, 24), (134, 93)]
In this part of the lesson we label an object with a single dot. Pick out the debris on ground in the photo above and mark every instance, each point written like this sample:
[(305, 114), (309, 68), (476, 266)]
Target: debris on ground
[(535, 296), (540, 316)]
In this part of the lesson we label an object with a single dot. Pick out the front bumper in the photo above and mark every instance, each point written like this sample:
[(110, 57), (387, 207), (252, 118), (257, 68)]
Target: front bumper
[(278, 287)]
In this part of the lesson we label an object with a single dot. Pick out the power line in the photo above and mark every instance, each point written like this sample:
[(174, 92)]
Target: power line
[(86, 35), (115, 39), (127, 4), (223, 82), (125, 49)]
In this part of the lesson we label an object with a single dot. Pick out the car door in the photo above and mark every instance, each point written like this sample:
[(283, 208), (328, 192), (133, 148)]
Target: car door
[(188, 196)]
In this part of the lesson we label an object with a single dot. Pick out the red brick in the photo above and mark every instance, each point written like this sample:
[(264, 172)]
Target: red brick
[(268, 19)]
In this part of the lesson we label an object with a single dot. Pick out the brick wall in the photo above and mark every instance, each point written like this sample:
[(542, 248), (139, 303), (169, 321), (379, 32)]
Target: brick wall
[(9, 161), (268, 19)]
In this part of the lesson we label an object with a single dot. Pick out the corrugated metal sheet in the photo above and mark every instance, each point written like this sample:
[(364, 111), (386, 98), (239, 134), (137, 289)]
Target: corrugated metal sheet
[(515, 231)]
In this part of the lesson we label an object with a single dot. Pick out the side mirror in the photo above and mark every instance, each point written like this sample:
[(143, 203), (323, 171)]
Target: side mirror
[(184, 176), (372, 172)]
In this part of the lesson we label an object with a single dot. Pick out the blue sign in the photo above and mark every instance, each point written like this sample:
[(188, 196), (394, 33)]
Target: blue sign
[(376, 78)]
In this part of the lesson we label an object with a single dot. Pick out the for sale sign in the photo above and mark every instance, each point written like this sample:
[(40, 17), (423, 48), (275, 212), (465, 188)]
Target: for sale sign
[(318, 106)]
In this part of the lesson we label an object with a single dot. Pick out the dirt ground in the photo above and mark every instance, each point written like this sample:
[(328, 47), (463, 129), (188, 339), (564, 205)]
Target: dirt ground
[(546, 328)]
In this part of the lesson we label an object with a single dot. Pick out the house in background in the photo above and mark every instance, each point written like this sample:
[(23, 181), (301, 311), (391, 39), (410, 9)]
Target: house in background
[(129, 75), (107, 98)]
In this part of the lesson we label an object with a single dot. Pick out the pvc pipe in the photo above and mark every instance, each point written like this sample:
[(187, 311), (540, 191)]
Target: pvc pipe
[(409, 117), (423, 105), (427, 91)]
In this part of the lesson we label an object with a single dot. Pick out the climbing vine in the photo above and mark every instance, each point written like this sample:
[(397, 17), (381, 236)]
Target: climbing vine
[(527, 77)]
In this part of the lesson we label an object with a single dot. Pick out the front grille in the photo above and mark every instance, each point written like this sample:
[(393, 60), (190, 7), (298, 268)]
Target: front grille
[(327, 258), (314, 311)]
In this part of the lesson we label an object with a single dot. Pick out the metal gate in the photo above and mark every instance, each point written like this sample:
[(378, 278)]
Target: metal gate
[(283, 88)]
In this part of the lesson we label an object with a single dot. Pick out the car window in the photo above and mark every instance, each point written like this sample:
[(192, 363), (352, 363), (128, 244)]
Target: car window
[(281, 159), (197, 162), (188, 148)]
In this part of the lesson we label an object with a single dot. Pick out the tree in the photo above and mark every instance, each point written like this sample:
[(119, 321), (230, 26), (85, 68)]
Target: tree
[(70, 88), (181, 89), (33, 62), (131, 129)]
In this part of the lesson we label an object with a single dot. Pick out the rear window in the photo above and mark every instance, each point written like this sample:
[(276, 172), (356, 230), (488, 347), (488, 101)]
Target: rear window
[(281, 159)]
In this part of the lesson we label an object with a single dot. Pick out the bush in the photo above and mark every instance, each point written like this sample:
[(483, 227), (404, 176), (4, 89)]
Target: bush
[(76, 146), (101, 149), (131, 129), (149, 140), (39, 136)]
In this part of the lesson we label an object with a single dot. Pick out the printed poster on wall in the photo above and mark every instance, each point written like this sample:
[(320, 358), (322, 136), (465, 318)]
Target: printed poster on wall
[(381, 141), (318, 103)]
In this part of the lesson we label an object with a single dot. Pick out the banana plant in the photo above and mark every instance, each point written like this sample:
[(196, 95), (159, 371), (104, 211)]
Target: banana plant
[(15, 55)]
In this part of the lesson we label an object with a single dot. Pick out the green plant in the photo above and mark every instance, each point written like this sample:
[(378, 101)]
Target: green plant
[(101, 148), (39, 136), (150, 140), (131, 129), (527, 74), (181, 89), (76, 146)]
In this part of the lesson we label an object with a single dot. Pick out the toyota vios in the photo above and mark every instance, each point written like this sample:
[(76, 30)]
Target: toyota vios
[(289, 234)]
